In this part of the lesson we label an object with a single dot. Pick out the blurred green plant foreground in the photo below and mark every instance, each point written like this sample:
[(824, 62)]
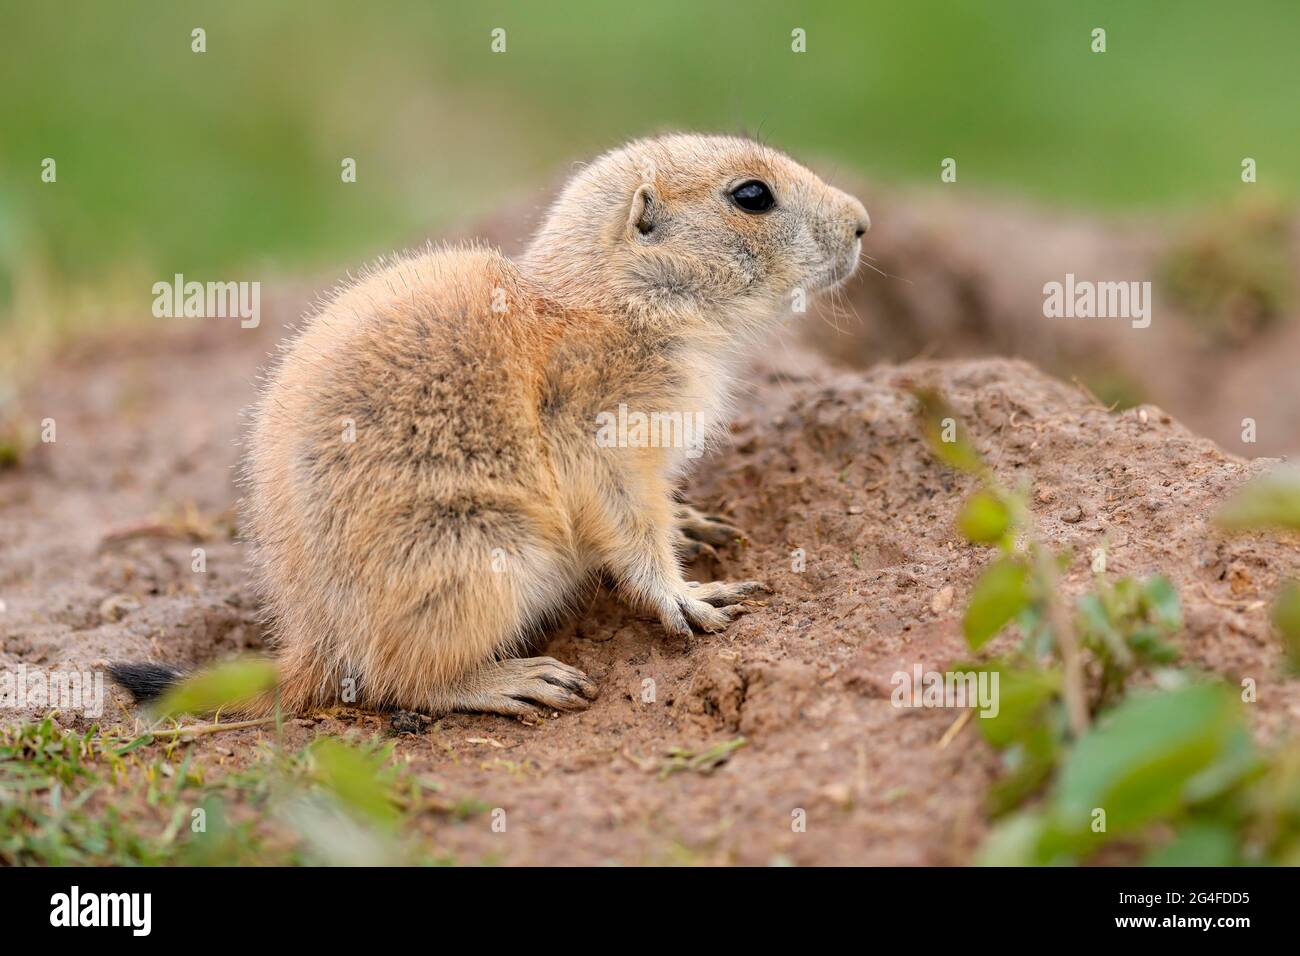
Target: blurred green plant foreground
[(1165, 771), (174, 161)]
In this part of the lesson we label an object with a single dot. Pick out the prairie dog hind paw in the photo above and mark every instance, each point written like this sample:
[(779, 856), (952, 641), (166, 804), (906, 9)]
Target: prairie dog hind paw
[(526, 685)]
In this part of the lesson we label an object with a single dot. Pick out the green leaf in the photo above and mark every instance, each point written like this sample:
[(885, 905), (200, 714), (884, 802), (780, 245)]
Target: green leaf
[(1197, 844), (1027, 728), (1271, 500), (1148, 643), (984, 519), (1029, 765), (1138, 763), (1013, 842), (1162, 599), (1286, 618), (225, 685), (1096, 627), (1021, 697), (1039, 639), (133, 745), (940, 427), (356, 778), (1240, 762), (1000, 594)]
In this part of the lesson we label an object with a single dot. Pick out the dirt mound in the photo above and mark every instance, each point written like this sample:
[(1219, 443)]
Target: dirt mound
[(850, 519), (956, 276)]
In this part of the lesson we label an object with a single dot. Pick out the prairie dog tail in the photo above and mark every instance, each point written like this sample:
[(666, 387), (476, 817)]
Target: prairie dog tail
[(148, 682), (145, 682)]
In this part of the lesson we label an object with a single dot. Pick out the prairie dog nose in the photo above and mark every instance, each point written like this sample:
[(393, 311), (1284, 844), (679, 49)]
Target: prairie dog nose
[(863, 220)]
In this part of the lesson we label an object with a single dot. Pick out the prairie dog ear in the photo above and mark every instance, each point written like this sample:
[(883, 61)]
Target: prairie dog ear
[(645, 216)]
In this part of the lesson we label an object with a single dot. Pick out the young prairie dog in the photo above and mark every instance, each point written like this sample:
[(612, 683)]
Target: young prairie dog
[(427, 479)]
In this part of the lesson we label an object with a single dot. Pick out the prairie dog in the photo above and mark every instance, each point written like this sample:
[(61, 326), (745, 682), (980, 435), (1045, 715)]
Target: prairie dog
[(442, 457)]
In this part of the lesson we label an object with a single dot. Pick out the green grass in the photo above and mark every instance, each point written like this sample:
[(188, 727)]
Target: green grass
[(104, 799)]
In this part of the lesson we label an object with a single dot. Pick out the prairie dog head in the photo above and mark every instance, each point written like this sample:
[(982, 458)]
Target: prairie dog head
[(696, 224)]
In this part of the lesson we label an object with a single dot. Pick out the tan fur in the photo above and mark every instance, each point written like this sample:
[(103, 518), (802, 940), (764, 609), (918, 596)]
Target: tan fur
[(475, 501)]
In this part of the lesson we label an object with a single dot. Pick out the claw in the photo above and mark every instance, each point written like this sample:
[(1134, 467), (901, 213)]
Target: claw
[(709, 529)]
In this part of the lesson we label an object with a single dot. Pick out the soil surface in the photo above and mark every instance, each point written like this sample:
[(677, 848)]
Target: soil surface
[(98, 532)]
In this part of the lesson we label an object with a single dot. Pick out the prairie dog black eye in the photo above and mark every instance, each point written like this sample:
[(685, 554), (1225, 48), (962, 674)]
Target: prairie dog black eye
[(753, 196)]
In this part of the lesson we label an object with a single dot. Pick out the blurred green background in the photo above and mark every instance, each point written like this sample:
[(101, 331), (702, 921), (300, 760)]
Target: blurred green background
[(172, 161)]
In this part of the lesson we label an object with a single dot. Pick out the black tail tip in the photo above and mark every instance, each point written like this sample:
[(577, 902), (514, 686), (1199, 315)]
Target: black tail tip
[(144, 682)]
